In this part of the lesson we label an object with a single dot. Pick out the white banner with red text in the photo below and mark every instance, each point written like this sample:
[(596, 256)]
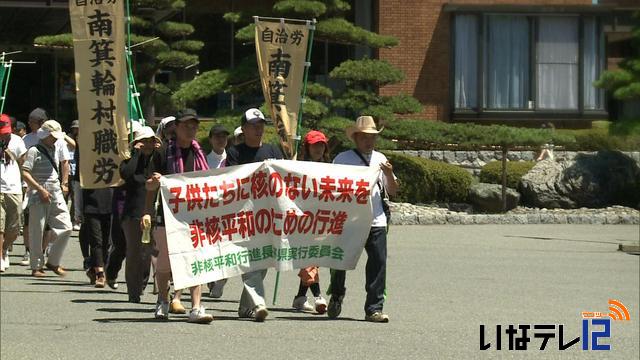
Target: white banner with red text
[(278, 214)]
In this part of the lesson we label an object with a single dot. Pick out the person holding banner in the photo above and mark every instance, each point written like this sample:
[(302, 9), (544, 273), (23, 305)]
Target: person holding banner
[(134, 172), (179, 156), (46, 199), (314, 148), (252, 303), (364, 134)]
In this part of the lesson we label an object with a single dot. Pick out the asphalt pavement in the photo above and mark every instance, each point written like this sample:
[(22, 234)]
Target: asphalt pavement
[(443, 283)]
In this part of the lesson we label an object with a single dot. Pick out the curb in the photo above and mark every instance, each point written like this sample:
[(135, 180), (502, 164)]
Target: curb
[(512, 219)]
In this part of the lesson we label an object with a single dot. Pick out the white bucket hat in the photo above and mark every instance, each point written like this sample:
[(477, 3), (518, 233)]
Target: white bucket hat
[(364, 124), (145, 132)]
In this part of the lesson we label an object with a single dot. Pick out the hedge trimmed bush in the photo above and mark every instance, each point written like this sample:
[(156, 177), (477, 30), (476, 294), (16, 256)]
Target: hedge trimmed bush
[(492, 172), (423, 181)]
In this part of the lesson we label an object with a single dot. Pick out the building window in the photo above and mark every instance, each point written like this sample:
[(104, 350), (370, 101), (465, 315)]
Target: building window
[(466, 63), (527, 62), (507, 62)]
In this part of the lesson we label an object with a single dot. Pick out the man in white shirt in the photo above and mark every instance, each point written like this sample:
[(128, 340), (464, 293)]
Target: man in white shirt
[(364, 133), (12, 150), (61, 155)]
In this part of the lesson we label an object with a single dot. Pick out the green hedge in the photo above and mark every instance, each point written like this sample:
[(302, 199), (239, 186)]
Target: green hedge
[(423, 181), (492, 172)]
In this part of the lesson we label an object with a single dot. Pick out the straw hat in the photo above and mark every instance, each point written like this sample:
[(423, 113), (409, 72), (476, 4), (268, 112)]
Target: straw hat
[(364, 124)]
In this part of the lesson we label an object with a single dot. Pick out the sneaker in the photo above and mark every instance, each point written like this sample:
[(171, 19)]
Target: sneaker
[(321, 305), (134, 299), (25, 258), (5, 260), (112, 284), (260, 313), (38, 273), (215, 291), (76, 227), (2, 265), (162, 310), (56, 269), (301, 303), (100, 281), (335, 306), (176, 307), (199, 316), (377, 317)]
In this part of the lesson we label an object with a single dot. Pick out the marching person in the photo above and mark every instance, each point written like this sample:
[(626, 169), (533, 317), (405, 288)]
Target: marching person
[(46, 199), (12, 150), (364, 134), (134, 172), (178, 156), (218, 138), (314, 148), (252, 303)]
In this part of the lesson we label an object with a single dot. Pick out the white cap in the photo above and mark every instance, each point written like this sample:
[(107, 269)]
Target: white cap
[(145, 132), (50, 127), (238, 131)]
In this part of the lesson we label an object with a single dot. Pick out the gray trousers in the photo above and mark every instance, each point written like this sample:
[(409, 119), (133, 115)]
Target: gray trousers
[(253, 291), (138, 258), (56, 215)]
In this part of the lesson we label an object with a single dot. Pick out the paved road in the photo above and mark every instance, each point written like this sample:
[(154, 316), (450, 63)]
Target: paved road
[(443, 283)]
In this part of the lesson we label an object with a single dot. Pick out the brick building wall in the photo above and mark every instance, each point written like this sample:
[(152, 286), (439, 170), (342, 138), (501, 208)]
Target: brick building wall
[(423, 30)]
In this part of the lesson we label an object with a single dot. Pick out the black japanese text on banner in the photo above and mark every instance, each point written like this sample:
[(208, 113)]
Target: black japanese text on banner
[(281, 50), (101, 88), (279, 213)]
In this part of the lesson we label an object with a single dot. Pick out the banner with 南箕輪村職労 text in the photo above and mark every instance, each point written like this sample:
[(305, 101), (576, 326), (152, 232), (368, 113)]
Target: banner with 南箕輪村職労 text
[(98, 29), (278, 213)]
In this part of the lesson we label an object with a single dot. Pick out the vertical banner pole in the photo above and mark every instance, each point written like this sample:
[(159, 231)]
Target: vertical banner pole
[(307, 65)]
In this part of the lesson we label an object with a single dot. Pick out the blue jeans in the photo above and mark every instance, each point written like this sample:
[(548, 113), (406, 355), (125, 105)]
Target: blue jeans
[(375, 272)]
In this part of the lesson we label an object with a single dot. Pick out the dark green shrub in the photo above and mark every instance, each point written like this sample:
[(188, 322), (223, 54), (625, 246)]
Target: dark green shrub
[(492, 172), (423, 181)]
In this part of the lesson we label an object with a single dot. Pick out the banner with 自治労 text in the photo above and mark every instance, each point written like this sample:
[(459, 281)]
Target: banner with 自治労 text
[(281, 50), (98, 29), (282, 214)]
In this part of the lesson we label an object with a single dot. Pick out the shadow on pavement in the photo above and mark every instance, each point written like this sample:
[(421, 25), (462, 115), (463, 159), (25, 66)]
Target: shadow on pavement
[(105, 301), (121, 310), (317, 317)]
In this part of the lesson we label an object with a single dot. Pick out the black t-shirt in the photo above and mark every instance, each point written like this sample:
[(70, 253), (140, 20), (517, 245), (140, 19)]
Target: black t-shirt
[(242, 154), (160, 164), (97, 201)]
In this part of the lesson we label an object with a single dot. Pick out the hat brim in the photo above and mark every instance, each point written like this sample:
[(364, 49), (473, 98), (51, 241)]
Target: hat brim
[(351, 130), (186, 118), (155, 137)]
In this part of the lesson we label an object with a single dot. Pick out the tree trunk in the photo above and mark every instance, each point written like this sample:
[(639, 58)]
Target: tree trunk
[(504, 178)]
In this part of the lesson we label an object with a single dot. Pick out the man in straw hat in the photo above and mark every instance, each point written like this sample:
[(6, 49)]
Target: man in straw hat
[(364, 134), (46, 200)]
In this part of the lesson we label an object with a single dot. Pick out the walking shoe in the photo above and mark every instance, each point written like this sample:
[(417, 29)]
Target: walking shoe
[(100, 280), (260, 313), (134, 299), (112, 284), (5, 260), (176, 307), (199, 316), (301, 303), (377, 317), (76, 227), (321, 305), (91, 274), (335, 306), (1, 265), (25, 258), (215, 291), (162, 310), (37, 273), (56, 269)]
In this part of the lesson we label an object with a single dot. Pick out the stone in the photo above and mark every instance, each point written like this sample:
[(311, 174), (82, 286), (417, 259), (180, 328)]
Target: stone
[(437, 155), (486, 156), (460, 156), (449, 157), (592, 180), (487, 198)]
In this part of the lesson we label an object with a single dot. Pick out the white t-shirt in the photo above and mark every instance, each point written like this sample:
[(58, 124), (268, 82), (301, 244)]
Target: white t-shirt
[(350, 157), (214, 160), (62, 152), (10, 182)]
